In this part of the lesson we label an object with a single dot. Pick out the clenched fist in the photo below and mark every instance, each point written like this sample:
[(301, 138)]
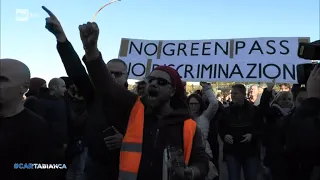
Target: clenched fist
[(53, 25), (89, 34)]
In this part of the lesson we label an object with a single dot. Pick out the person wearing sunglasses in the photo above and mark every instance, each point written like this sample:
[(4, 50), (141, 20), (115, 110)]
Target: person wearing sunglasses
[(154, 122)]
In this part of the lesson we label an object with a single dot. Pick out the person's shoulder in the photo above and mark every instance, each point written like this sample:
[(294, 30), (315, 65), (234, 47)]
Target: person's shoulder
[(34, 119)]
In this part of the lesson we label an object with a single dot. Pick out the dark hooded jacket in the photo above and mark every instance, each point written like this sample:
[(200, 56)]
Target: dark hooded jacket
[(238, 121), (157, 134), (57, 114), (32, 99), (303, 133)]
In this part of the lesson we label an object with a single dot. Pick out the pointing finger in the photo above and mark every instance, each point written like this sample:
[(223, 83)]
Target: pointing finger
[(48, 11)]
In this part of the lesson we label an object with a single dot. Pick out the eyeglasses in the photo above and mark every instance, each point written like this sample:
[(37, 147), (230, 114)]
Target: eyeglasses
[(117, 74), (160, 81)]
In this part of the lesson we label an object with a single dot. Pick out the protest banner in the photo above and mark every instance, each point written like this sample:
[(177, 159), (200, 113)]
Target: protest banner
[(224, 60)]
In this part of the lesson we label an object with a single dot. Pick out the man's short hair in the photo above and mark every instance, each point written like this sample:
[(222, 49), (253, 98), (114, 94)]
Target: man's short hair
[(286, 85), (253, 85), (240, 87), (120, 61)]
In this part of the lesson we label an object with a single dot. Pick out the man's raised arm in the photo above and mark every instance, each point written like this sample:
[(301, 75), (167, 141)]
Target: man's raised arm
[(70, 58), (99, 74)]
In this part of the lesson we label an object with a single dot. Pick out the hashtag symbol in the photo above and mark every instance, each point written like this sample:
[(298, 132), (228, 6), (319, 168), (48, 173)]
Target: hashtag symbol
[(16, 166)]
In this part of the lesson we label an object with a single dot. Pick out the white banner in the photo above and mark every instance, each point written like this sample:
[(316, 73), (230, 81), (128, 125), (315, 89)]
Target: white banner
[(227, 60)]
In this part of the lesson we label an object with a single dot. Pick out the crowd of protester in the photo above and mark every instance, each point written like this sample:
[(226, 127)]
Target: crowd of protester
[(92, 123)]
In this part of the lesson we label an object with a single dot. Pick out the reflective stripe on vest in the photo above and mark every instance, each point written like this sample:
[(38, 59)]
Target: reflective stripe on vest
[(131, 149)]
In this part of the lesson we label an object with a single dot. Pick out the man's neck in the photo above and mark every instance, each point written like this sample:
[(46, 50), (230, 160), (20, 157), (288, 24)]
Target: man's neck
[(164, 110), (54, 94), (12, 109)]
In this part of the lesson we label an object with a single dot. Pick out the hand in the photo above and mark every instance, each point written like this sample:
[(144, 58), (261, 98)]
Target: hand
[(65, 146), (247, 138), (228, 139), (271, 85), (89, 34), (53, 25), (115, 141), (313, 83), (189, 173)]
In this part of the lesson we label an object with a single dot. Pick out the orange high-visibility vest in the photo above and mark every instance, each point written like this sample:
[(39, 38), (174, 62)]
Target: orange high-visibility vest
[(131, 149)]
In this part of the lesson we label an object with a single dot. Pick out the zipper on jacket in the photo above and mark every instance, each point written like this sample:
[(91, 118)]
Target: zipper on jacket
[(155, 144)]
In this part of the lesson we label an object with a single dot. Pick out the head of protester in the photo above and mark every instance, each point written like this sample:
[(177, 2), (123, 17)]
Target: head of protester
[(118, 70), (57, 87), (164, 89), (35, 85), (285, 87), (15, 81), (284, 99), (156, 122), (238, 94), (23, 133), (253, 91), (196, 104)]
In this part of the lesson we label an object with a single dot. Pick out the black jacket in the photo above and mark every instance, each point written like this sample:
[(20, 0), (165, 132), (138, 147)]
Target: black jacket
[(98, 109), (275, 125), (238, 121), (57, 113), (157, 134), (303, 133)]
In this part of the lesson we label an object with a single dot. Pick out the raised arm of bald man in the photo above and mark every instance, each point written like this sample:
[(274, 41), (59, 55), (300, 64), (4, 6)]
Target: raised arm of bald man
[(104, 83), (70, 58)]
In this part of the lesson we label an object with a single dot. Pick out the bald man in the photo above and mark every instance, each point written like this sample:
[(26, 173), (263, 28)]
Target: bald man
[(57, 87), (23, 134)]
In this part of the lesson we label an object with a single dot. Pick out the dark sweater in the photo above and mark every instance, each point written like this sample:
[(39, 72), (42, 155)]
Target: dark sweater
[(23, 139), (56, 113), (169, 128)]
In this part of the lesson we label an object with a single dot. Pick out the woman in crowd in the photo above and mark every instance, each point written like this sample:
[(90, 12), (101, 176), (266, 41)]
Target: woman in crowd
[(203, 115), (277, 114)]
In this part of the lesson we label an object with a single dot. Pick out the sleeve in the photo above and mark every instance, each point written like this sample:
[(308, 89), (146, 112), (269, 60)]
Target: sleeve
[(265, 100), (199, 157), (76, 70), (213, 103), (309, 109), (258, 124), (109, 90), (222, 124), (203, 124)]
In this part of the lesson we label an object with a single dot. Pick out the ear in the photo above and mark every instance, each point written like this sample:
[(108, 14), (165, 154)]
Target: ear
[(173, 91), (24, 87)]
